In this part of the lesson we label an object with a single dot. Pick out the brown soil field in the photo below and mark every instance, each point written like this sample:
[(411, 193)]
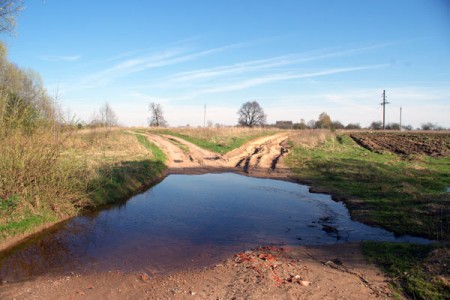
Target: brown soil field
[(434, 144)]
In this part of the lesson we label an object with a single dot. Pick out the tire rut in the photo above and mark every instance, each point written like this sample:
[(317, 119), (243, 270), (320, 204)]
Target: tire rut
[(261, 157)]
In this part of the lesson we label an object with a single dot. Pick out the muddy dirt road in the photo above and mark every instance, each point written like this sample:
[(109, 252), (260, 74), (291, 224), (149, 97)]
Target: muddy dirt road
[(313, 272), (262, 157), (320, 272)]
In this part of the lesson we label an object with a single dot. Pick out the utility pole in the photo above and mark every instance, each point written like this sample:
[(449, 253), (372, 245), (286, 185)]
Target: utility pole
[(384, 107), (204, 116), (400, 118)]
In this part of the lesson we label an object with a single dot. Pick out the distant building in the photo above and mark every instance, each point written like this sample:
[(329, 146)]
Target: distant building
[(284, 124)]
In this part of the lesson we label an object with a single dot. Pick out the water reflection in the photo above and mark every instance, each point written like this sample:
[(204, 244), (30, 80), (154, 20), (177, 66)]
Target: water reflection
[(189, 221)]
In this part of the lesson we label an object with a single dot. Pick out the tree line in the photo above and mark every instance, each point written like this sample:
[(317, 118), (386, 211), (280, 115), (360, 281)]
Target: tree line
[(251, 114)]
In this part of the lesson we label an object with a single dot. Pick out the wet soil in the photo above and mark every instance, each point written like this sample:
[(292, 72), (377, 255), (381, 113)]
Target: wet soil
[(319, 272), (435, 144)]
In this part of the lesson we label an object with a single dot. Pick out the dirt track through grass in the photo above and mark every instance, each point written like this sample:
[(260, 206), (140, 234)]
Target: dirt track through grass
[(262, 157)]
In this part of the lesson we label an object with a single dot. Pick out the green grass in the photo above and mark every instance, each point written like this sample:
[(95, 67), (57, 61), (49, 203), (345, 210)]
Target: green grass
[(404, 196), (158, 154), (20, 226), (124, 179), (413, 269)]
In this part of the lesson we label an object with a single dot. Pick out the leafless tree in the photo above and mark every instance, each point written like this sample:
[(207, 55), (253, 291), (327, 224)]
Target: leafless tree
[(8, 13), (107, 116), (251, 114), (157, 118)]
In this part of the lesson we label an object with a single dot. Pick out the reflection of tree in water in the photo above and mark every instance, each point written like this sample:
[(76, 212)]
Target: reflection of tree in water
[(60, 249)]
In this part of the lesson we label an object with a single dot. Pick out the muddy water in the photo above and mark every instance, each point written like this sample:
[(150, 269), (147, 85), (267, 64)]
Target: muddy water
[(188, 221)]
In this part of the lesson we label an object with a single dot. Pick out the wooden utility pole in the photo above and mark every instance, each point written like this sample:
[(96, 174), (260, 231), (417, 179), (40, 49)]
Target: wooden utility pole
[(400, 118), (384, 107)]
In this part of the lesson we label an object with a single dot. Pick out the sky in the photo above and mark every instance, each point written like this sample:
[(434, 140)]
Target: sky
[(296, 58)]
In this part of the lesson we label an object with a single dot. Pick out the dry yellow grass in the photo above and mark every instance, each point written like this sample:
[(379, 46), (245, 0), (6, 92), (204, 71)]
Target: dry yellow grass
[(310, 138), (99, 146)]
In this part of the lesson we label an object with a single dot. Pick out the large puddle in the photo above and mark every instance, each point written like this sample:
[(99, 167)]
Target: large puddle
[(188, 221)]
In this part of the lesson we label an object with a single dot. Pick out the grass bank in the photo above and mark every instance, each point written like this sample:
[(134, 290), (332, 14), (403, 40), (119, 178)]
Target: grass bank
[(417, 271), (97, 167), (404, 195), (219, 140)]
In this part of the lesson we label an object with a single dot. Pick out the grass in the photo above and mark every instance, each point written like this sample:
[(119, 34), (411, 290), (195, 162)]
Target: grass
[(404, 196), (417, 271), (157, 153), (219, 140), (95, 168), (120, 164)]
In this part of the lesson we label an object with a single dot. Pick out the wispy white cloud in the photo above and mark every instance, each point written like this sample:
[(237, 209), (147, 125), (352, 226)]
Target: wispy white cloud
[(264, 64), (56, 58), (244, 84), (141, 63)]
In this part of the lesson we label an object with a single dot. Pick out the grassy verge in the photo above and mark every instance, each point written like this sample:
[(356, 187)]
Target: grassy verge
[(219, 140), (417, 271), (99, 168), (404, 196)]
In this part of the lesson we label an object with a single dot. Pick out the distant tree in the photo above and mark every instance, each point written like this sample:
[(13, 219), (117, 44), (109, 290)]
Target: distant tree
[(407, 127), (9, 10), (324, 121), (311, 124), (157, 115), (302, 125), (376, 125), (107, 116), (353, 126), (337, 125), (392, 126), (429, 126), (251, 114)]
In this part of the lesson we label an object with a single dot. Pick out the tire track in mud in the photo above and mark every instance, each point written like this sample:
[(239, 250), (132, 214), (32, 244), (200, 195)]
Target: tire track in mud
[(262, 157), (263, 154)]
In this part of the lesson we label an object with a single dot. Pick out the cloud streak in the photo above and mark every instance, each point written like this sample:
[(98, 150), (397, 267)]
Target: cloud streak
[(265, 64), (278, 77), (55, 58)]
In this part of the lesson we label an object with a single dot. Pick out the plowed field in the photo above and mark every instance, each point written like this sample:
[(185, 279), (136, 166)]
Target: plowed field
[(436, 144)]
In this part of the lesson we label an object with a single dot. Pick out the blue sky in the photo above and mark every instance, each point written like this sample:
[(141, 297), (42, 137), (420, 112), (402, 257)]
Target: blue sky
[(296, 58)]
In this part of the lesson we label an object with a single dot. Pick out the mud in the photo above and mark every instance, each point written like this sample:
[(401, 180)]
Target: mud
[(331, 272), (405, 143), (262, 157)]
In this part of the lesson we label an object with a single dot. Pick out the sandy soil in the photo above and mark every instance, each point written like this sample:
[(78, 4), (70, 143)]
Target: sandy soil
[(320, 272), (314, 272), (262, 157)]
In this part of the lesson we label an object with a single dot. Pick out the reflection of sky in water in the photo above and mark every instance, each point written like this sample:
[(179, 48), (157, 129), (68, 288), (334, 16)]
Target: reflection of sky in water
[(185, 219)]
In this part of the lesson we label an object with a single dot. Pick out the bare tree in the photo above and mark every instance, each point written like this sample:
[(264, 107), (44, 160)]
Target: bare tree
[(251, 114), (157, 118), (8, 13), (107, 116)]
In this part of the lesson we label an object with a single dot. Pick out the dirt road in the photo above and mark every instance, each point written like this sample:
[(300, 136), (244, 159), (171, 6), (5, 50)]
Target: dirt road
[(320, 272), (262, 157)]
